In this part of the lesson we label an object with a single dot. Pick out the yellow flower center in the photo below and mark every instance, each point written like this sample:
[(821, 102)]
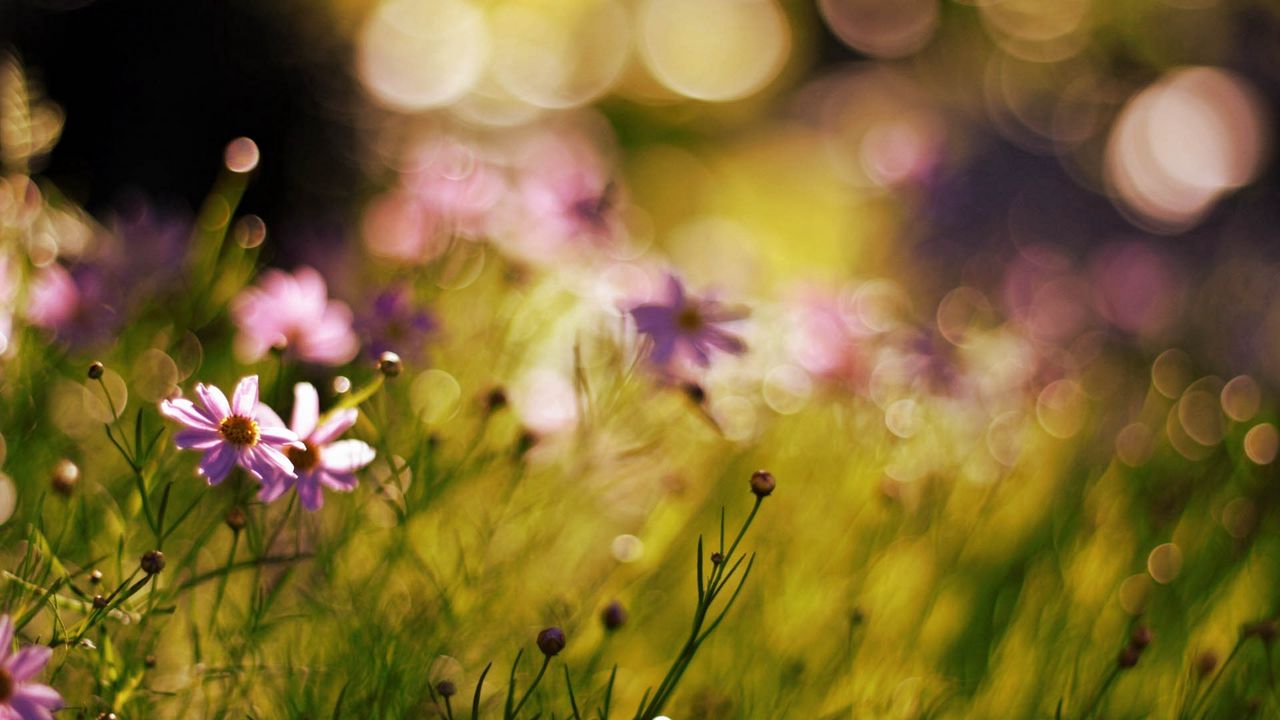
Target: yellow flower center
[(7, 685), (689, 320), (303, 458), (239, 430)]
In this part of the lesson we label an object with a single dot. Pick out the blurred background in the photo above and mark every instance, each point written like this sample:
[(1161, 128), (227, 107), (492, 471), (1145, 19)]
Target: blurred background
[(1013, 275)]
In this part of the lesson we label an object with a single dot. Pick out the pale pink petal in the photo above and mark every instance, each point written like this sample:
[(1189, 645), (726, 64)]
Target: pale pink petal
[(340, 482), (244, 400), (267, 417), (267, 461), (346, 456), (309, 492), (217, 463), (197, 439), (306, 409), (279, 435), (274, 487), (215, 403), (332, 428), (41, 695), (187, 413), (28, 662)]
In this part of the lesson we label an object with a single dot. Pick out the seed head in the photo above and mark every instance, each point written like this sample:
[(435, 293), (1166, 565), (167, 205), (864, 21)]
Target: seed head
[(236, 519), (389, 364), (716, 558), (762, 483), (613, 616), (152, 562), (446, 688), (64, 477), (99, 602), (1129, 656), (551, 641), (96, 370), (1206, 663), (1140, 637)]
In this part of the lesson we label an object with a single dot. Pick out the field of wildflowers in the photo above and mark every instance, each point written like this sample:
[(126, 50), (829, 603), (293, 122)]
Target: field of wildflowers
[(669, 359)]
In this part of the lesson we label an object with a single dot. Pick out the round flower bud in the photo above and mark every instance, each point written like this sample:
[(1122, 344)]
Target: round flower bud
[(694, 392), (1141, 637), (613, 616), (716, 558), (762, 483), (96, 370), (1129, 656), (64, 477), (152, 562), (446, 688), (551, 641), (95, 577), (1206, 663), (149, 661), (236, 519), (99, 602), (496, 399), (389, 364)]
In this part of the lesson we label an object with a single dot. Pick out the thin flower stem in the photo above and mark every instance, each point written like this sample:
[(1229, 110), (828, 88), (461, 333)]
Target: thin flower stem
[(546, 660)]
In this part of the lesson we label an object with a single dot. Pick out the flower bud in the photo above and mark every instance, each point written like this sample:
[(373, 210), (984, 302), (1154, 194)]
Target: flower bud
[(613, 616), (551, 641), (149, 661), (716, 558), (762, 483), (389, 364), (236, 519), (1206, 663), (64, 477), (1141, 637), (1264, 630), (496, 399), (696, 394), (446, 688), (99, 602), (96, 370), (152, 562), (1129, 656), (95, 577)]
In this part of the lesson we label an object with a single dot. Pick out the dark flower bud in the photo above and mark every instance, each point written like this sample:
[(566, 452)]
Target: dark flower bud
[(762, 483), (1264, 630), (525, 442), (613, 616), (1140, 637), (857, 617), (446, 688), (1206, 663), (152, 562), (694, 392), (551, 641), (236, 519), (95, 577), (65, 476), (716, 558), (96, 370), (1129, 656), (496, 399), (389, 364), (149, 661), (99, 602)]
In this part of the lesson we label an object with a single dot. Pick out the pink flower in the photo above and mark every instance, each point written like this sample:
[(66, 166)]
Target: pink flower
[(243, 432), (294, 312), (456, 184), (687, 328), (321, 461), (21, 699)]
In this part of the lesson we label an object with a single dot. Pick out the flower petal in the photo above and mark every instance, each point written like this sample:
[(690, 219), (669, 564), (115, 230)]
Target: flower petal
[(275, 486), (28, 662), (28, 707), (217, 463), (186, 412), (244, 400), (265, 461), (215, 403), (266, 416), (309, 493), (197, 439), (346, 456), (334, 426), (338, 481), (6, 637), (42, 695), (306, 409)]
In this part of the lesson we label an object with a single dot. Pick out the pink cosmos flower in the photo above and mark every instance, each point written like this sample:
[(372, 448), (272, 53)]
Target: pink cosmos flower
[(683, 327), (243, 432), (320, 461), (21, 699), (294, 312)]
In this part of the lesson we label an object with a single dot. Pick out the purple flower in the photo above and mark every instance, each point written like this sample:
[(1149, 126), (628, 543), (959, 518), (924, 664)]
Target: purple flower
[(321, 461), (294, 312), (396, 323), (243, 432), (76, 305), (21, 699), (687, 328)]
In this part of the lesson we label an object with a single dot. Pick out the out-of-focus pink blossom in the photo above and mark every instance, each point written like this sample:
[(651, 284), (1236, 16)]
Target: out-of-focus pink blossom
[(323, 461), (824, 342), (457, 185), (398, 227), (293, 312), (77, 306), (1135, 288), (567, 200), (684, 328), (23, 699)]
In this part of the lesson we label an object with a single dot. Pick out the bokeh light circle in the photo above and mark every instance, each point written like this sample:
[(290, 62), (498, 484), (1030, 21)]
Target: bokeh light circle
[(414, 55), (715, 50), (882, 29)]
